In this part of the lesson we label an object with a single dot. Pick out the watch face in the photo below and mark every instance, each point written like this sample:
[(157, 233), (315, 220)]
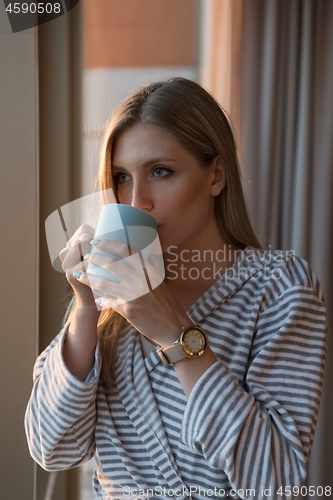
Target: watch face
[(193, 342)]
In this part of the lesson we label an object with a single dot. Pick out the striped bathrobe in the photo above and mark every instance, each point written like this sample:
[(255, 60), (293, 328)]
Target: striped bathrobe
[(246, 430)]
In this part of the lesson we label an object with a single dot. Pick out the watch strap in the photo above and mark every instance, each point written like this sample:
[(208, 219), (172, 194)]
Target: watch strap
[(172, 354)]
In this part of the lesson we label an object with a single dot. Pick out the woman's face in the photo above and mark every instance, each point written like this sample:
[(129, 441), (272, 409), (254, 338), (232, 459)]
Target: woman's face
[(153, 172)]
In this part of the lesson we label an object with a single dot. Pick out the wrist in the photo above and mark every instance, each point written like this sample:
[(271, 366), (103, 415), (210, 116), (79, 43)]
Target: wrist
[(88, 313), (175, 331), (191, 343)]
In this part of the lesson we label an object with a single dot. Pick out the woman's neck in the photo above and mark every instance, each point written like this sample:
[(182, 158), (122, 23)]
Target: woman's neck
[(199, 263)]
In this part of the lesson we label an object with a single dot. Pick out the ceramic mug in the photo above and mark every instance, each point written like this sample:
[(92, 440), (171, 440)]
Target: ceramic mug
[(129, 225)]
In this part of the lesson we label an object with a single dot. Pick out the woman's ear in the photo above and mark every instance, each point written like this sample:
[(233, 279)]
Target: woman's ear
[(219, 176)]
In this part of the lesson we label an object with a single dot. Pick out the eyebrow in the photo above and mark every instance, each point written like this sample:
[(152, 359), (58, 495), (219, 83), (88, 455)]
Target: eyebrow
[(147, 163)]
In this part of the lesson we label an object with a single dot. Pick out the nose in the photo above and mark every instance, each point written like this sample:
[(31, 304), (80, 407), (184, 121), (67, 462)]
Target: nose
[(141, 196)]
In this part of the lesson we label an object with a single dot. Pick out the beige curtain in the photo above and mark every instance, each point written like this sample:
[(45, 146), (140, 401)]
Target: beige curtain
[(221, 62), (277, 59)]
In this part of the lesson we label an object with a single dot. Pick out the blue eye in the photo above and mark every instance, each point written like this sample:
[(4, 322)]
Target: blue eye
[(159, 171), (119, 178)]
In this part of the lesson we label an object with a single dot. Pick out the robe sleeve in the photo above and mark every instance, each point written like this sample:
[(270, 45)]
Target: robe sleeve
[(61, 413)]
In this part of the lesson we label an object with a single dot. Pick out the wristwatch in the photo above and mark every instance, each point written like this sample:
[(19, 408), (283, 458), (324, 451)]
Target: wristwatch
[(191, 343)]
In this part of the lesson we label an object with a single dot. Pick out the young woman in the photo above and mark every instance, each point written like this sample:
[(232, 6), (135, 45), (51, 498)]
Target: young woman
[(230, 407)]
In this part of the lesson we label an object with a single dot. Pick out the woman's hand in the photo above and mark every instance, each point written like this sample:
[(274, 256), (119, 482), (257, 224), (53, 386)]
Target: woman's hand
[(154, 312), (72, 259)]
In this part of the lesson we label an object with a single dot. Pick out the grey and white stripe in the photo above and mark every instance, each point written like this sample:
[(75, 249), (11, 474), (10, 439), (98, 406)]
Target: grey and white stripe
[(249, 422)]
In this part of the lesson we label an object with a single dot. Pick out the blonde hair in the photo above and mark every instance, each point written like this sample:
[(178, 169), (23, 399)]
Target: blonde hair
[(187, 112)]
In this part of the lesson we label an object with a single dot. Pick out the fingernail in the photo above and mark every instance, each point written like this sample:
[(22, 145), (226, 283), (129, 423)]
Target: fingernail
[(98, 301), (77, 274), (94, 242), (86, 257)]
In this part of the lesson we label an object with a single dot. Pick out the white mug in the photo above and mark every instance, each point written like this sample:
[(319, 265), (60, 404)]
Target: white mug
[(134, 227)]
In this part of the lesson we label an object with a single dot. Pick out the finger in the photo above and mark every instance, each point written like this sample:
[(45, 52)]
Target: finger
[(81, 267), (81, 238), (74, 279), (132, 287), (99, 285), (104, 291), (83, 229), (75, 254), (105, 303), (126, 270), (112, 246), (70, 257), (80, 247), (106, 261), (63, 253)]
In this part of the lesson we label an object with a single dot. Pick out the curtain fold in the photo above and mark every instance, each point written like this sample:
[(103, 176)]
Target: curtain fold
[(284, 73), (222, 55)]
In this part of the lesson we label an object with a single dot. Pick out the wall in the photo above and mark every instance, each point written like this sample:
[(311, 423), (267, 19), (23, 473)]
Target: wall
[(19, 206), (126, 44)]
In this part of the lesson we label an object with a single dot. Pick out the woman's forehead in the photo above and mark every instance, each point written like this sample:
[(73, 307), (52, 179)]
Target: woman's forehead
[(144, 140)]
